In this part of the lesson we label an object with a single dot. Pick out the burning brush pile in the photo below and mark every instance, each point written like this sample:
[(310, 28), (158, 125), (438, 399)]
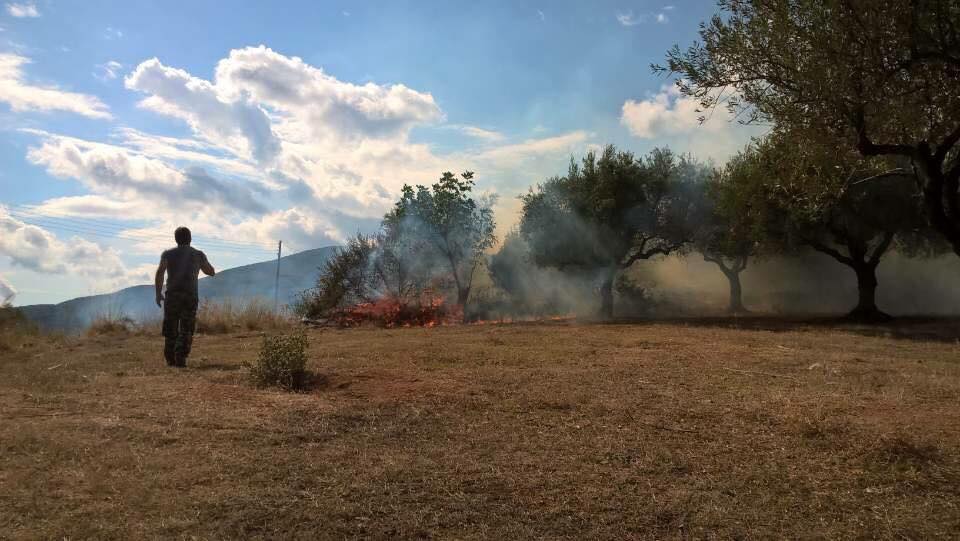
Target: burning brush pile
[(426, 310), (365, 284)]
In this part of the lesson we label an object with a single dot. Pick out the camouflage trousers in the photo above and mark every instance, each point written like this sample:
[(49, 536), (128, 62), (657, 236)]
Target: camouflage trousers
[(179, 322)]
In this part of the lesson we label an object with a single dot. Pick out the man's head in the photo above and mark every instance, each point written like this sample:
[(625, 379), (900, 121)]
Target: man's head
[(182, 234)]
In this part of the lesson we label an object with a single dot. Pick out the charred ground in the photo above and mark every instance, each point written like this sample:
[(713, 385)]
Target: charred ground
[(559, 430)]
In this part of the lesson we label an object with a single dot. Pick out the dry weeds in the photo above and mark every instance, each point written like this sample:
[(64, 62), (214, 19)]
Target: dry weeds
[(504, 431)]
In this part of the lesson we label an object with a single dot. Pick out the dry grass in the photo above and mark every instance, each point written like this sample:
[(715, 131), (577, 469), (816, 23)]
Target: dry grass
[(228, 316), (515, 431), (212, 318)]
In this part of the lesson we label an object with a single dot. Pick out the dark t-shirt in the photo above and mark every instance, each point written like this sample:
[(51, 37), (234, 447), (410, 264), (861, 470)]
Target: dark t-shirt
[(183, 265)]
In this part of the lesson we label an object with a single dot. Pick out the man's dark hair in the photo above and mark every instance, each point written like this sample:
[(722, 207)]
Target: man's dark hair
[(182, 234)]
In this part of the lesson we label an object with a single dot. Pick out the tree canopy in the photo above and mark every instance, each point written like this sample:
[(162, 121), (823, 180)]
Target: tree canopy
[(880, 76), (830, 199), (450, 222), (610, 211)]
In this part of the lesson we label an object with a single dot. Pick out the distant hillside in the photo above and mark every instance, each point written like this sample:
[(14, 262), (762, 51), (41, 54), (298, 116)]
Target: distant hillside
[(297, 273)]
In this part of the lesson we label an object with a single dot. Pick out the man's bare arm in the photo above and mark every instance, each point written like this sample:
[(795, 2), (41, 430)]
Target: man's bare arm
[(206, 267), (158, 280)]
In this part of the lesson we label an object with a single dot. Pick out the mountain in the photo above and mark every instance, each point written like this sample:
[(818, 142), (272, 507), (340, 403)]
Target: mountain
[(297, 273)]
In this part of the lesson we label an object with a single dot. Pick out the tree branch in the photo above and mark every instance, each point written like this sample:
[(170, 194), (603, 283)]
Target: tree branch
[(944, 148), (868, 147), (881, 248), (823, 248), (899, 171)]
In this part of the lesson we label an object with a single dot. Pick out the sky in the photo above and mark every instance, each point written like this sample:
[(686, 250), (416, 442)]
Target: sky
[(255, 122)]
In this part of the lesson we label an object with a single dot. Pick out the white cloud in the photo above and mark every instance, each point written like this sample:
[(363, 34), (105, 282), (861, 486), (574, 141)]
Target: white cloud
[(666, 113), (674, 119), (7, 291), (90, 206), (112, 33), (26, 9), (668, 8), (490, 136), (126, 175), (35, 248), (629, 19), (23, 96), (189, 151), (312, 102), (514, 154), (237, 124), (108, 70), (541, 15)]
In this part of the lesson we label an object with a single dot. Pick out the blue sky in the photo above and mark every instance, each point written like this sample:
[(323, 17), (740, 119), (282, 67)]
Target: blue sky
[(254, 121)]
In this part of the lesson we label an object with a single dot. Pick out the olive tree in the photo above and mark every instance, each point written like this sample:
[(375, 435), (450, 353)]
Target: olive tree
[(609, 211), (880, 76)]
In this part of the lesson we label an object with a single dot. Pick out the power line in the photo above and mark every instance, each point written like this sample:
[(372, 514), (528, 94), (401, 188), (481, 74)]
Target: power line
[(107, 227), (214, 247), (100, 229)]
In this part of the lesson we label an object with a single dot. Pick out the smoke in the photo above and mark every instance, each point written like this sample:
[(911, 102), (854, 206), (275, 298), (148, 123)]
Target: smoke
[(685, 285), (7, 292), (810, 283)]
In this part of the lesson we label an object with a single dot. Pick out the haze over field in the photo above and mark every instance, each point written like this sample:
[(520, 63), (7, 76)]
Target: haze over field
[(255, 124)]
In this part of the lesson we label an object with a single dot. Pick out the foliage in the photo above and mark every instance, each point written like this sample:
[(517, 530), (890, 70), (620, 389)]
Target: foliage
[(431, 238), (807, 191), (610, 211), (282, 362), (455, 227), (344, 279), (880, 77)]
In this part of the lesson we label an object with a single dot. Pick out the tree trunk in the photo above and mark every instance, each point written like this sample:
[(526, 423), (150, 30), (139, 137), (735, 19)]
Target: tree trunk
[(940, 201), (463, 293), (866, 309), (606, 294), (736, 293)]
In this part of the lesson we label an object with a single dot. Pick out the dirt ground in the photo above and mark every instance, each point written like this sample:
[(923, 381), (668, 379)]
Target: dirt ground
[(705, 429)]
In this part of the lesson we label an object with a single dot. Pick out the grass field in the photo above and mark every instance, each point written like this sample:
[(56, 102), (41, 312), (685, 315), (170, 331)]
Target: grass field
[(561, 430)]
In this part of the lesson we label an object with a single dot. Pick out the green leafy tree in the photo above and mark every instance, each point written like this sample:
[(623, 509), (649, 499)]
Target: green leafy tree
[(451, 223), (880, 76), (832, 200), (727, 235), (609, 212)]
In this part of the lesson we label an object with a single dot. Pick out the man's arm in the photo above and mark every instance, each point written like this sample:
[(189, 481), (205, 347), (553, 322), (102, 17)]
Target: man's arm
[(158, 280), (205, 265)]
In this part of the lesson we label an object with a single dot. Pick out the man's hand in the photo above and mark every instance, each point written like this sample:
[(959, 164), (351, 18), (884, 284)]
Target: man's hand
[(160, 300)]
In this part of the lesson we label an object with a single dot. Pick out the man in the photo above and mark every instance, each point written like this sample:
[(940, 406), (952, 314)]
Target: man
[(182, 264)]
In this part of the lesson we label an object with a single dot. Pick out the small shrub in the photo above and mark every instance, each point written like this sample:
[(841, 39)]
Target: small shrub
[(282, 362), (110, 323)]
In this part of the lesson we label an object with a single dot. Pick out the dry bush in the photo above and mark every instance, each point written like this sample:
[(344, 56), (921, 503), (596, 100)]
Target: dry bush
[(111, 322), (228, 316), (282, 362)]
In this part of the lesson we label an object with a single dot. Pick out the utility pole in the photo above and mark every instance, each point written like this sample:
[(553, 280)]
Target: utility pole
[(276, 283)]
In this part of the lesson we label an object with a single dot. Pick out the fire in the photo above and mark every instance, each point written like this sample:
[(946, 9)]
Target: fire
[(427, 310)]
